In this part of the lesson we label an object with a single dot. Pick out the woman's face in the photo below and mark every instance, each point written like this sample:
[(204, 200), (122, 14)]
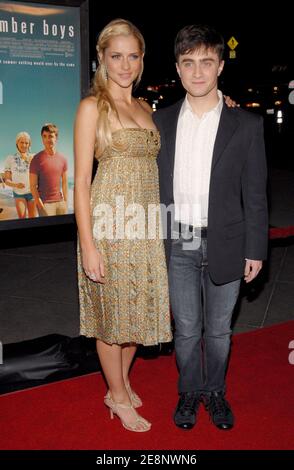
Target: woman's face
[(23, 144), (123, 60)]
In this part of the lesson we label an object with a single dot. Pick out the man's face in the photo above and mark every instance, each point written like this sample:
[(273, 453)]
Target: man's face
[(49, 140), (199, 71)]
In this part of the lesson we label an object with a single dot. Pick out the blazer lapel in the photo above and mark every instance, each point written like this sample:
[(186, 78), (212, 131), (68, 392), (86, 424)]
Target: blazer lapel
[(227, 126)]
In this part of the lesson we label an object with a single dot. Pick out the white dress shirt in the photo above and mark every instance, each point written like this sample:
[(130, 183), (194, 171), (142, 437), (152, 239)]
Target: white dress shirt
[(194, 149)]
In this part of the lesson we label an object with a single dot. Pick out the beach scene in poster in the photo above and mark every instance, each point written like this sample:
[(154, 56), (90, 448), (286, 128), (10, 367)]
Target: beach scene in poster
[(39, 84)]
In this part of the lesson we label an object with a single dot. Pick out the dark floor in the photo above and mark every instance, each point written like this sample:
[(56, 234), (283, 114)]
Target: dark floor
[(39, 291), (38, 285)]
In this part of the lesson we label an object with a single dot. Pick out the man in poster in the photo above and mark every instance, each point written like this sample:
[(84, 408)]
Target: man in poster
[(48, 175)]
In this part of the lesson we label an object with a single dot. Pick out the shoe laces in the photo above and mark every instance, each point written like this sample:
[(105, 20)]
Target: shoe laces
[(218, 405), (189, 402)]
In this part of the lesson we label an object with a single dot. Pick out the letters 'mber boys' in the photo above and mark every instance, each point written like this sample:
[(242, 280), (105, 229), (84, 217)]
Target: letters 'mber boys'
[(23, 27)]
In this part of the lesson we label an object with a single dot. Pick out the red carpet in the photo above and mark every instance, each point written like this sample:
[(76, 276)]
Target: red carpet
[(281, 232), (71, 414)]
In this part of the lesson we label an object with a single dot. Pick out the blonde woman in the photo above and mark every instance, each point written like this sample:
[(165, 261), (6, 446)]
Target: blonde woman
[(17, 176), (122, 279)]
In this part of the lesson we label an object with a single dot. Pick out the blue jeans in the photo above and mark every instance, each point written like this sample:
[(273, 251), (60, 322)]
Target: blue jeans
[(202, 312)]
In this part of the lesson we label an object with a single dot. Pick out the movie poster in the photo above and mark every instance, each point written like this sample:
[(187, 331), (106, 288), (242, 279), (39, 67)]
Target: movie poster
[(39, 93)]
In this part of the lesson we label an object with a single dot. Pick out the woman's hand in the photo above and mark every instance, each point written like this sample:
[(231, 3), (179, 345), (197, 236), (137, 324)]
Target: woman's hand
[(230, 103), (93, 265)]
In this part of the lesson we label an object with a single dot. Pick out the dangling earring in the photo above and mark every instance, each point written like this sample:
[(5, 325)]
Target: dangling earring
[(104, 72)]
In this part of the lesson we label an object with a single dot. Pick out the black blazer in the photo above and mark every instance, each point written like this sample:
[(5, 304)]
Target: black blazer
[(237, 208)]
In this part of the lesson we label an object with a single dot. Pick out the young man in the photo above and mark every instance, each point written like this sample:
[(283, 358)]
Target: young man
[(48, 175), (212, 170)]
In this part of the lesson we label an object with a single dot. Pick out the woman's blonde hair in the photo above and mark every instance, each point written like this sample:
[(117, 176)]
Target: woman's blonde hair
[(20, 135), (105, 103)]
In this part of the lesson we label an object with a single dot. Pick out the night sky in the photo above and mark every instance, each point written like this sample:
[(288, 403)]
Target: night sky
[(265, 37)]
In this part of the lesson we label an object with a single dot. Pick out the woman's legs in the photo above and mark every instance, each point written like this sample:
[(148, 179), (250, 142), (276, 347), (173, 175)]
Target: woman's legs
[(32, 208), (110, 356), (21, 207), (111, 360), (128, 353)]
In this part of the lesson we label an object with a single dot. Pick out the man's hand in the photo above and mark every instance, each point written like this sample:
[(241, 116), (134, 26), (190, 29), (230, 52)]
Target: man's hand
[(230, 102), (252, 268)]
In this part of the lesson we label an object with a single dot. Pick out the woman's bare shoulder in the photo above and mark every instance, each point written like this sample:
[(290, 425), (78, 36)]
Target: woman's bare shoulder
[(146, 106), (88, 104)]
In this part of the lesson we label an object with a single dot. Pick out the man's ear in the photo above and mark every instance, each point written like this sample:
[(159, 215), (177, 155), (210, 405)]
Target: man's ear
[(220, 67), (178, 70)]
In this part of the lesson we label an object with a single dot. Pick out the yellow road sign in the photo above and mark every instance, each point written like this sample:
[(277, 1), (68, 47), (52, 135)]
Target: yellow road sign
[(232, 43)]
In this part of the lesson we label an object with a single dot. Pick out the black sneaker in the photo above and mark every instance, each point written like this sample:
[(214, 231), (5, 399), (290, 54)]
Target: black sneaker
[(186, 411), (219, 410)]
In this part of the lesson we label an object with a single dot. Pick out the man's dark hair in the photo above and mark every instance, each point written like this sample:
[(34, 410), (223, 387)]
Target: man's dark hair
[(50, 127), (195, 36)]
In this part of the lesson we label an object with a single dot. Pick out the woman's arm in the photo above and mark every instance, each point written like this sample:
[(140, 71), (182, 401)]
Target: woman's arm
[(84, 145), (9, 182)]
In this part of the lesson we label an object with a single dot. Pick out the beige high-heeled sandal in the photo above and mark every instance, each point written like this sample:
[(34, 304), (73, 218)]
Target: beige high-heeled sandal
[(135, 399), (114, 410)]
